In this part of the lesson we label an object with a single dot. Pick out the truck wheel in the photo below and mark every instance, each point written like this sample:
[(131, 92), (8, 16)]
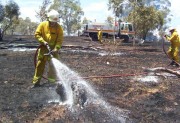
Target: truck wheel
[(125, 37), (94, 36)]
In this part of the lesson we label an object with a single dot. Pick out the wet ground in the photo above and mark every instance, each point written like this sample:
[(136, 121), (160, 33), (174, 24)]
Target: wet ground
[(114, 70)]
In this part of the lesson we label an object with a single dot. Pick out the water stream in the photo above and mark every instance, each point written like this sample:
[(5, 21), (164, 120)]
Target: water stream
[(79, 92)]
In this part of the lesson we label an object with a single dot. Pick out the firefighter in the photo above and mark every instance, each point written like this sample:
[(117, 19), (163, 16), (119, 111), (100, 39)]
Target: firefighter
[(173, 50), (47, 33), (100, 35)]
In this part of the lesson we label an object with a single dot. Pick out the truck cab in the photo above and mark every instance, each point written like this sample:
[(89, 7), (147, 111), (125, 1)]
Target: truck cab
[(126, 31)]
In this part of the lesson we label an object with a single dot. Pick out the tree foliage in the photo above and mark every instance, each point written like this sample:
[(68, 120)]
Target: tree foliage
[(146, 15), (25, 27), (70, 12), (110, 20), (1, 18), (1, 12), (11, 10), (146, 19), (116, 6), (42, 13), (85, 21), (11, 13)]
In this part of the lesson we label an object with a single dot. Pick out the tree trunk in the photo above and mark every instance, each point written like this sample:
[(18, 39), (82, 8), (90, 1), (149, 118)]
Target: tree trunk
[(1, 35)]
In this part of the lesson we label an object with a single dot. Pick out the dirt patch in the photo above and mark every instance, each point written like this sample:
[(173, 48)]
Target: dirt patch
[(115, 65)]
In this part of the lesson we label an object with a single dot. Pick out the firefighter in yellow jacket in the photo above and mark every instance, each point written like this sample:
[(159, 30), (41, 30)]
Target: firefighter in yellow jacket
[(100, 35), (173, 50), (47, 33)]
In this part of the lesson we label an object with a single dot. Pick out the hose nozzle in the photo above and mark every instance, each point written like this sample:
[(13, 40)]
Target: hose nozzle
[(50, 51)]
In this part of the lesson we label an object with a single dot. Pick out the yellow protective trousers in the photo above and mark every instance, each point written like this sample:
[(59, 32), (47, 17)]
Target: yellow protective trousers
[(40, 66), (173, 53)]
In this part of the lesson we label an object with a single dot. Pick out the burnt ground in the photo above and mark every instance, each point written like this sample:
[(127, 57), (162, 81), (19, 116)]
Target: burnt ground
[(146, 102)]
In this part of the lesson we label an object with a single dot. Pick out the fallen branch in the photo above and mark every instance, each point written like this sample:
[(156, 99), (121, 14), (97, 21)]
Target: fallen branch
[(83, 47), (162, 69)]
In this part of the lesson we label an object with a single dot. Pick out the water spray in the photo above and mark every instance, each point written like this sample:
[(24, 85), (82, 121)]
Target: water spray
[(60, 90), (60, 87), (75, 92)]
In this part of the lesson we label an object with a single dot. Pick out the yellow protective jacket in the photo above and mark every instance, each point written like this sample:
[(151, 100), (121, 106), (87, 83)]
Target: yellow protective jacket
[(173, 50), (52, 35), (174, 39)]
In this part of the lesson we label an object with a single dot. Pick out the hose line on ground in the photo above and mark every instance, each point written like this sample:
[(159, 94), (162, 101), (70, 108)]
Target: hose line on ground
[(111, 76), (89, 77)]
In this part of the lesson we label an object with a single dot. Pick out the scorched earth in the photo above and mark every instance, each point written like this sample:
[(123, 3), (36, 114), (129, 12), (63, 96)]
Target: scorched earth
[(117, 72)]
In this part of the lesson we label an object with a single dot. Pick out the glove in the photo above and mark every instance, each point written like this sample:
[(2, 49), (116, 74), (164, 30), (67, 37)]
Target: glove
[(54, 50), (165, 36)]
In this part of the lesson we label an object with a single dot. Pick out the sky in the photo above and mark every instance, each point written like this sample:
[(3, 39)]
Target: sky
[(93, 10)]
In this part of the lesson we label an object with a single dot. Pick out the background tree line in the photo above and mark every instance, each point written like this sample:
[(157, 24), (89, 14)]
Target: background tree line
[(11, 24), (146, 16)]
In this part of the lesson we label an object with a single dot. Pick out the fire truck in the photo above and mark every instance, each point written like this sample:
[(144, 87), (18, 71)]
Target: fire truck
[(122, 30)]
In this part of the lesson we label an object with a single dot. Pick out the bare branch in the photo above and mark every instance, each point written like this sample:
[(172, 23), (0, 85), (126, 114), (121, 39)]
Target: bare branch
[(41, 14)]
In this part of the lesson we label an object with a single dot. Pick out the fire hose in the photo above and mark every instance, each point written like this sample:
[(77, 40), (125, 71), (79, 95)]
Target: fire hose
[(111, 76), (124, 75), (102, 76)]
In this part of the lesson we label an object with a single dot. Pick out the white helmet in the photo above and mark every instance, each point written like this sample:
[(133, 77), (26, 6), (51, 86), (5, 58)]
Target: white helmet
[(53, 16)]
